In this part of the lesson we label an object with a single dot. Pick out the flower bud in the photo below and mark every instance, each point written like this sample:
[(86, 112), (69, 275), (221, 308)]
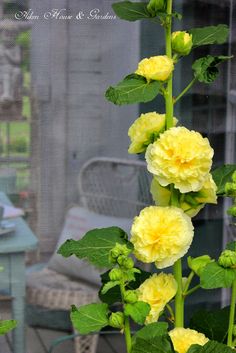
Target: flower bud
[(197, 264), (182, 42), (117, 320), (227, 259), (118, 250), (230, 189), (232, 211), (125, 262), (154, 6), (115, 274), (130, 296)]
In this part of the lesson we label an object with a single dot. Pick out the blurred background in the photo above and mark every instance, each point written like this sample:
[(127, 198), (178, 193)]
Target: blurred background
[(53, 116)]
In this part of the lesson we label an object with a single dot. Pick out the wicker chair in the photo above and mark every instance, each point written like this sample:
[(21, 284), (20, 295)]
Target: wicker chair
[(107, 186)]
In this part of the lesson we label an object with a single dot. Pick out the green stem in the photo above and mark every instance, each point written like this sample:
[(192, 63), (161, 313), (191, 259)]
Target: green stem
[(179, 300), (169, 308), (185, 90), (192, 290), (127, 332), (231, 315), (168, 96), (188, 282)]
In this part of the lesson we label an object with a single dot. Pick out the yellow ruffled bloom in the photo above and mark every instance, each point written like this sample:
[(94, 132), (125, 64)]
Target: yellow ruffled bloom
[(183, 338), (145, 130), (191, 202), (181, 157), (156, 68), (157, 291), (161, 235)]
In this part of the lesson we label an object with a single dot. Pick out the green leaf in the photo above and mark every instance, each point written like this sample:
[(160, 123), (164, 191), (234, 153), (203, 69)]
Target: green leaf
[(137, 311), (133, 89), (222, 175), (95, 246), (205, 69), (89, 318), (151, 331), (6, 326), (210, 347), (231, 246), (214, 324), (107, 286), (215, 276), (158, 344), (209, 35), (114, 295), (131, 11)]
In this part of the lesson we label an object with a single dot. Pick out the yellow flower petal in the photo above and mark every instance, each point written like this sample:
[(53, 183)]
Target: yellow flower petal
[(183, 338), (155, 68)]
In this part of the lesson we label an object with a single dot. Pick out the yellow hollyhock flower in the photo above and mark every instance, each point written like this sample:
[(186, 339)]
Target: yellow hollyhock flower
[(145, 130), (157, 291), (156, 68), (183, 338), (161, 235), (181, 157)]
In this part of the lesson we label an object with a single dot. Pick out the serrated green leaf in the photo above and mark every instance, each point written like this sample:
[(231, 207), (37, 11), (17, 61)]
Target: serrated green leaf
[(209, 35), (7, 325), (214, 324), (133, 89), (210, 347), (222, 175), (137, 311), (95, 246), (89, 318), (158, 344), (206, 70), (107, 286), (151, 331), (231, 246), (215, 276), (131, 11)]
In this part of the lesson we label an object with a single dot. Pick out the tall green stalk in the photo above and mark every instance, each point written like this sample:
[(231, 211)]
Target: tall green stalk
[(231, 315), (128, 339), (179, 301)]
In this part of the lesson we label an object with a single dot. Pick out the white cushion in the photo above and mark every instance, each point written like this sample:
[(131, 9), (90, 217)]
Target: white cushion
[(78, 222)]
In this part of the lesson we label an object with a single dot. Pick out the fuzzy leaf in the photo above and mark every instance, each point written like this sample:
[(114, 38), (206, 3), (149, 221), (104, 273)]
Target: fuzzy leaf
[(214, 324), (158, 344), (137, 311), (215, 276), (210, 347), (131, 11), (205, 69), (6, 326), (151, 331), (109, 285), (209, 35), (222, 175), (89, 318), (133, 89), (95, 246)]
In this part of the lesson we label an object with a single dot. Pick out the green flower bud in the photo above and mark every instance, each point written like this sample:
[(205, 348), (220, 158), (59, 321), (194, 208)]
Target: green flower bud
[(230, 189), (115, 274), (232, 211), (182, 42), (125, 262), (131, 296), (118, 250), (117, 320), (155, 6), (227, 259), (197, 264)]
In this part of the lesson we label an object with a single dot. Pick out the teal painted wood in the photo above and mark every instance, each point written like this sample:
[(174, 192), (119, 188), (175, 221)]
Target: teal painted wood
[(12, 279), (22, 239)]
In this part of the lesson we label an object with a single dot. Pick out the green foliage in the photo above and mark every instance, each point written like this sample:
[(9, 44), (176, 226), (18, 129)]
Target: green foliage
[(133, 89), (7, 325), (151, 331), (210, 347), (214, 324), (95, 246), (156, 344), (89, 318), (215, 276), (137, 311), (131, 11), (209, 35), (109, 285), (222, 175), (205, 69), (197, 264), (231, 246)]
